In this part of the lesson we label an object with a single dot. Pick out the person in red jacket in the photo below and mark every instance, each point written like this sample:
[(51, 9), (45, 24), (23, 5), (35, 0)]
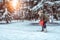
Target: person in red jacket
[(43, 22)]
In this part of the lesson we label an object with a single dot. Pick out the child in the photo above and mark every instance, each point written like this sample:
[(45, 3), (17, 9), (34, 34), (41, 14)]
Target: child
[(43, 22)]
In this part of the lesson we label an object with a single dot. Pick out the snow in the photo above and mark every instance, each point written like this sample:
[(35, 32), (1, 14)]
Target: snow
[(29, 30), (57, 2), (39, 5), (50, 3)]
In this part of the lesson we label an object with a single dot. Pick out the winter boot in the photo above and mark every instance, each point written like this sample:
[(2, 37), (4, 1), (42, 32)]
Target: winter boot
[(45, 30)]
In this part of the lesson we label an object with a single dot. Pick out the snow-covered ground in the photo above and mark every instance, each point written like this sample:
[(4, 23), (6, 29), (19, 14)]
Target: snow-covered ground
[(29, 30)]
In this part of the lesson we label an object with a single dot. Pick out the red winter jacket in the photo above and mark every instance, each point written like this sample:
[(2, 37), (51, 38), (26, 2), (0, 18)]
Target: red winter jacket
[(41, 22)]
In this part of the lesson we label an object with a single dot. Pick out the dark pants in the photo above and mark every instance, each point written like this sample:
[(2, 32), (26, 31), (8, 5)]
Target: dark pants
[(43, 27)]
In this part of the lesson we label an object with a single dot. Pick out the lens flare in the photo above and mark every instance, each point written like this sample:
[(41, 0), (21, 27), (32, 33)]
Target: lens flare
[(14, 3)]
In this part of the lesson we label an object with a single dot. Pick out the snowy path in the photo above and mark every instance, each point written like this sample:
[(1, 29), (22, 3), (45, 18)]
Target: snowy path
[(28, 31)]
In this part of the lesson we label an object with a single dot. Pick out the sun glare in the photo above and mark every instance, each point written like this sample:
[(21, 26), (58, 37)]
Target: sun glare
[(14, 3)]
